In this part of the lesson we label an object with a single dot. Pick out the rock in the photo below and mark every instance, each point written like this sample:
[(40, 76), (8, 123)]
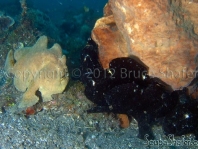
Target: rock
[(163, 34), (37, 68), (110, 41), (5, 22), (107, 10)]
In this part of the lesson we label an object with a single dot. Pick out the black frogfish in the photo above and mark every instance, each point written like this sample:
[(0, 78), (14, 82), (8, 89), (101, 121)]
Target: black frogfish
[(126, 88)]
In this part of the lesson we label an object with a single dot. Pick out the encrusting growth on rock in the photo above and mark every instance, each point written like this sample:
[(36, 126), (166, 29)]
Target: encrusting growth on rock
[(38, 69)]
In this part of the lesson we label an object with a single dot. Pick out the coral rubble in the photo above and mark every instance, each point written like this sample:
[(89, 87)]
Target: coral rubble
[(163, 34), (38, 69)]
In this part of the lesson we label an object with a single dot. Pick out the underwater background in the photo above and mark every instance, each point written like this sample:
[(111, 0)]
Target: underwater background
[(68, 120)]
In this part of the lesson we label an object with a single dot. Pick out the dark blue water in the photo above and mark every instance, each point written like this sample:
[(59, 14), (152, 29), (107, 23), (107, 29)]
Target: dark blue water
[(56, 8)]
